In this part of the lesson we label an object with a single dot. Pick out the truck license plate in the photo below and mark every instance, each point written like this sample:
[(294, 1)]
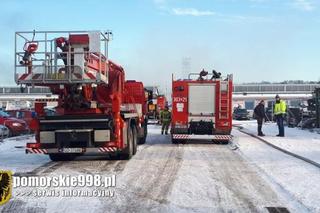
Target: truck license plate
[(71, 150)]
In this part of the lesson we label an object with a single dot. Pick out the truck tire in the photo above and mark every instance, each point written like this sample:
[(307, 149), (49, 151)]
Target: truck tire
[(135, 139), (128, 151), (145, 132), (220, 142), (61, 157), (174, 141)]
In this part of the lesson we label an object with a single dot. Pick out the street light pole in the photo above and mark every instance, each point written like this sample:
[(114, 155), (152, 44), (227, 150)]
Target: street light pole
[(317, 100), (109, 35)]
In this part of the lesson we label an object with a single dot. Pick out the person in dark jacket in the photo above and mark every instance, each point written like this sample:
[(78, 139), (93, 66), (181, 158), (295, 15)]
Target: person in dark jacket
[(259, 113)]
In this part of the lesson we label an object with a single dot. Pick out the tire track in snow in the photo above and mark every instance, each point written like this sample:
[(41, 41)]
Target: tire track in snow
[(234, 185), (148, 178)]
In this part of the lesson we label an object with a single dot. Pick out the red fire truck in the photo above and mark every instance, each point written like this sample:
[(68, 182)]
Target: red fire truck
[(152, 94), (161, 102), (97, 111), (201, 108), (156, 102), (135, 99)]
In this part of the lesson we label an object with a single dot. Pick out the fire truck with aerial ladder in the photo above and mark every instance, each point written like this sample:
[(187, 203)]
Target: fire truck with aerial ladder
[(97, 111), (201, 107), (156, 102)]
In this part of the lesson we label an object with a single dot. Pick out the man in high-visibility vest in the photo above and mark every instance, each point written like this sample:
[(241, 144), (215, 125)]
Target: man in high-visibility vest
[(280, 108), (165, 117)]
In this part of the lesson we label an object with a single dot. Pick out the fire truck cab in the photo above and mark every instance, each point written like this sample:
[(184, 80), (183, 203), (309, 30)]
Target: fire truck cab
[(201, 108), (135, 100), (161, 103)]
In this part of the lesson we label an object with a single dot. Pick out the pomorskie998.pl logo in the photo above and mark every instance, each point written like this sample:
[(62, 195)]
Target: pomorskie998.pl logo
[(65, 181), (5, 186), (55, 186)]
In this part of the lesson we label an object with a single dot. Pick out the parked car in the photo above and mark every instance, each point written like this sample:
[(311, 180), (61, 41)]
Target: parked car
[(16, 126), (24, 114), (4, 132), (241, 114), (294, 116)]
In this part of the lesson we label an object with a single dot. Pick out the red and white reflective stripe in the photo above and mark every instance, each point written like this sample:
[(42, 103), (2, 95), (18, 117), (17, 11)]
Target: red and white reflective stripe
[(85, 76), (24, 76), (223, 137), (37, 151), (180, 136), (37, 76), (90, 75), (75, 76), (107, 149), (201, 137), (30, 76)]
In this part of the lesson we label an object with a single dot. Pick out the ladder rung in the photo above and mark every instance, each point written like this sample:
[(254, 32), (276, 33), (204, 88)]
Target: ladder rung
[(222, 117)]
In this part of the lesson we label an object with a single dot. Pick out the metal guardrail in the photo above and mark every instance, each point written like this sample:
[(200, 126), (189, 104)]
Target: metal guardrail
[(237, 89), (28, 90)]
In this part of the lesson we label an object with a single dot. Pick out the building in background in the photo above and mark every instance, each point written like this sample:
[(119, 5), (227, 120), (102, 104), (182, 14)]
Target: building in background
[(248, 95)]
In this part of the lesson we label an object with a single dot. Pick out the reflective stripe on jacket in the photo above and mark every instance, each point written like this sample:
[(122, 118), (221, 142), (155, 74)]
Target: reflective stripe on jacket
[(280, 108)]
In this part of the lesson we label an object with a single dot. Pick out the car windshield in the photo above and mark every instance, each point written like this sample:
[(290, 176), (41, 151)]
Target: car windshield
[(4, 114)]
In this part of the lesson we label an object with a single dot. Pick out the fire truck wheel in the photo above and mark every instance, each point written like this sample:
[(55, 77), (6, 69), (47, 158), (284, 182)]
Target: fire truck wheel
[(61, 157), (135, 139), (220, 142), (224, 142), (174, 141), (145, 132), (128, 151)]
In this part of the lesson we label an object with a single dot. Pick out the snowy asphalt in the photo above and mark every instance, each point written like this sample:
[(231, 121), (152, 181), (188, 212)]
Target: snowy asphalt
[(163, 177)]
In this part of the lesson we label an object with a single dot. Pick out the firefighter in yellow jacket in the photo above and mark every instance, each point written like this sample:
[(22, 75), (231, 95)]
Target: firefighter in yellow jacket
[(165, 118), (280, 108)]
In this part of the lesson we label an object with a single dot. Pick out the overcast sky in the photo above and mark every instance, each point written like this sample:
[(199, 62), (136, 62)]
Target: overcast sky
[(256, 40)]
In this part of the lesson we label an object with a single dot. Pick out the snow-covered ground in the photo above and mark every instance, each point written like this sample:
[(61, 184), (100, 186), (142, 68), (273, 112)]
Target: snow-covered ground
[(162, 177), (14, 158), (298, 141), (296, 179)]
